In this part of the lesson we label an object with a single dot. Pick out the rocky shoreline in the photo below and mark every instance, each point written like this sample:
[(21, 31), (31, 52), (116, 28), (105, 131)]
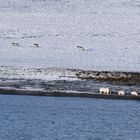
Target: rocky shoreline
[(42, 73), (51, 79)]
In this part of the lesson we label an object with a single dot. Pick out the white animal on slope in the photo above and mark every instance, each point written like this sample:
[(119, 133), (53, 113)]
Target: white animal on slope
[(134, 93), (36, 45), (15, 45), (80, 48), (121, 93), (104, 91)]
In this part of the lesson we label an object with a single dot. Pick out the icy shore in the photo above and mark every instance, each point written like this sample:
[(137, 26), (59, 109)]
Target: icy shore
[(51, 79)]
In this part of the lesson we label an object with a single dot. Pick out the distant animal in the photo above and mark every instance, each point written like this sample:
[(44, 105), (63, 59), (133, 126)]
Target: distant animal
[(15, 44), (36, 45), (121, 93), (104, 91), (80, 48), (134, 93)]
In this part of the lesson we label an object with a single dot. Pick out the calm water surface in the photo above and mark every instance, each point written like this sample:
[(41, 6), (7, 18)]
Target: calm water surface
[(55, 118)]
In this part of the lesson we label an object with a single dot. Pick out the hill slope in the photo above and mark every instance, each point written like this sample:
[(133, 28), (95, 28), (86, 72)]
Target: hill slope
[(108, 30)]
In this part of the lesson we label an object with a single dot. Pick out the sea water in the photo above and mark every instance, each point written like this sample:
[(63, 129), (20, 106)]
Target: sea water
[(58, 118)]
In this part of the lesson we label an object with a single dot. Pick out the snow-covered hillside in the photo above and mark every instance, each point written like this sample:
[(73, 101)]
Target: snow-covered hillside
[(109, 31)]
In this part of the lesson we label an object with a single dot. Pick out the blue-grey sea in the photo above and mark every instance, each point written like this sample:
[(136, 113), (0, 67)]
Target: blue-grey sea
[(58, 118)]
